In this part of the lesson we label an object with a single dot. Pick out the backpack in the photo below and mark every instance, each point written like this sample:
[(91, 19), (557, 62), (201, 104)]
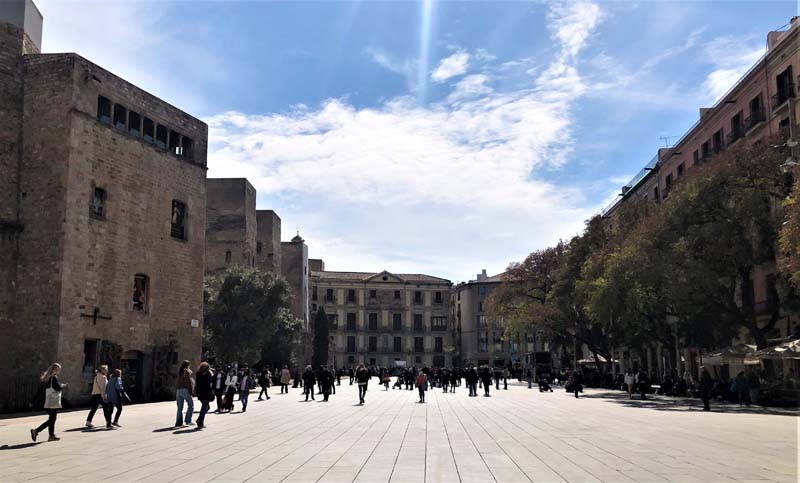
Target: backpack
[(421, 379)]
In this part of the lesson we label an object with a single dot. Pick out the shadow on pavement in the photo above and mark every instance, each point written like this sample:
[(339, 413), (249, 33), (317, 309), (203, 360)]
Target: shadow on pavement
[(664, 403), (164, 430), (20, 446), (187, 430)]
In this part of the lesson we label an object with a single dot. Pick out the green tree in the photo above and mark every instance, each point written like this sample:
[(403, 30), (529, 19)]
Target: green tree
[(247, 315), (319, 355)]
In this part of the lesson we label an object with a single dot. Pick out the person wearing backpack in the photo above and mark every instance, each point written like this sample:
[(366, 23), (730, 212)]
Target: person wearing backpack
[(362, 379), (422, 384), (52, 402)]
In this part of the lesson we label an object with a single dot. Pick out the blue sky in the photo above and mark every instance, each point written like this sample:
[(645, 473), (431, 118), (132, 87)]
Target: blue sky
[(429, 137)]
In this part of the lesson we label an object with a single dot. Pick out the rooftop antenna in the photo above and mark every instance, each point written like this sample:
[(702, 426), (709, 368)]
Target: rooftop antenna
[(666, 140)]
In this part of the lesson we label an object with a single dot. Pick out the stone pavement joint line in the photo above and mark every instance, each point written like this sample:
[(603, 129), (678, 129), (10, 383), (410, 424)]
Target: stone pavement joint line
[(516, 435)]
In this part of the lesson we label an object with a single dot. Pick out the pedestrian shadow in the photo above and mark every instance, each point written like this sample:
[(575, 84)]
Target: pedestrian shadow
[(187, 430), (20, 446), (164, 430), (685, 404), (85, 429)]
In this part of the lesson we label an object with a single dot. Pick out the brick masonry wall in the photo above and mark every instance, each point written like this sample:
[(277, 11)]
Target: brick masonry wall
[(70, 263), (230, 223), (269, 235)]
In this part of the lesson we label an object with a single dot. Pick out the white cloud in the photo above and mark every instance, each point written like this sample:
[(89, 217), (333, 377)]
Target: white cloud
[(451, 66), (731, 57), (407, 187), (572, 23), (404, 67)]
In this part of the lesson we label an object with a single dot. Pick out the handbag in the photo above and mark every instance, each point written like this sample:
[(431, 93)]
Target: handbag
[(52, 398)]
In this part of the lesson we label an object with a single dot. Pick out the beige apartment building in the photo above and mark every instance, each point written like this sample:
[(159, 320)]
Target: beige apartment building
[(480, 337), (762, 104), (385, 319)]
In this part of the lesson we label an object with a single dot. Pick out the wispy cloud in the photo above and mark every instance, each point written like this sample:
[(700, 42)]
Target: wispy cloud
[(451, 66), (731, 56), (464, 168)]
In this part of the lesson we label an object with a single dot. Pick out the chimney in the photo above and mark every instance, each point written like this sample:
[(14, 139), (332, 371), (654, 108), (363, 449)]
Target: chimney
[(482, 276), (24, 15)]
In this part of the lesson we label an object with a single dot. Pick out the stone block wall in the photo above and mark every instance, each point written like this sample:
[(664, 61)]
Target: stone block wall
[(230, 223), (269, 239)]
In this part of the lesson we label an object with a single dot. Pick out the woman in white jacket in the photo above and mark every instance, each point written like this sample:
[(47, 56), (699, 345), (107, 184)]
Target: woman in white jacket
[(98, 394), (629, 380)]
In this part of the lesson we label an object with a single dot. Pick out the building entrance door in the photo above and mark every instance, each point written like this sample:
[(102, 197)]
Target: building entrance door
[(132, 362)]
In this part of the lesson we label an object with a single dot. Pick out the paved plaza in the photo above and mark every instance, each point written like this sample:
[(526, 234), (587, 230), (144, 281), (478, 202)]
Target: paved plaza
[(515, 435)]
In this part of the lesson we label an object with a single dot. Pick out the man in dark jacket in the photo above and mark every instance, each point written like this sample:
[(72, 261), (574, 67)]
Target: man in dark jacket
[(204, 387), (705, 388), (486, 379), (309, 381), (325, 382)]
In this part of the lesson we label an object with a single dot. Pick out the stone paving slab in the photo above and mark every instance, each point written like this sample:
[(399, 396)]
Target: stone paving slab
[(517, 435)]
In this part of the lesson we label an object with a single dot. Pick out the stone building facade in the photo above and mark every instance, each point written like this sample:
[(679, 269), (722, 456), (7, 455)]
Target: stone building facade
[(102, 227), (386, 319), (239, 234), (481, 339)]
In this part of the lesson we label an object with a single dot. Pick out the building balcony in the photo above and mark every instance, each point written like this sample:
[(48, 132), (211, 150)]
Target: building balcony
[(734, 135), (782, 96), (756, 118)]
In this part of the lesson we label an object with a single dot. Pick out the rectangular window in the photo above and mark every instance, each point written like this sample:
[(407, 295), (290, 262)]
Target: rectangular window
[(161, 136), (480, 306), (103, 110), (259, 247), (227, 256), (373, 294), (438, 361), (705, 151), (397, 295), (417, 297), (120, 116), (148, 130), (351, 343), (437, 299), (97, 206), (680, 170), (186, 147), (333, 321), (419, 344), (438, 344), (373, 321), (140, 287), (482, 292), (351, 296), (397, 322), (314, 292), (397, 345), (89, 355), (175, 143), (667, 184), (439, 323), (481, 321), (351, 322), (329, 295), (498, 342), (134, 124), (696, 156), (373, 344), (483, 341), (351, 359), (178, 229), (418, 323), (716, 141)]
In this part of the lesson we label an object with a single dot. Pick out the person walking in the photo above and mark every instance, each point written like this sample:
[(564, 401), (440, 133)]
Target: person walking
[(705, 388), (629, 379), (643, 383), (486, 378), (576, 385), (52, 402), (219, 388), (245, 384), (471, 378), (183, 394), (325, 382), (286, 377), (264, 382), (422, 385), (204, 388), (454, 378), (309, 380), (231, 388), (753, 385), (362, 379), (445, 377), (98, 395), (506, 375), (740, 389), (115, 392)]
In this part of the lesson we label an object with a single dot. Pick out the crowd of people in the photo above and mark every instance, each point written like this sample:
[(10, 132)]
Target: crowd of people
[(227, 384)]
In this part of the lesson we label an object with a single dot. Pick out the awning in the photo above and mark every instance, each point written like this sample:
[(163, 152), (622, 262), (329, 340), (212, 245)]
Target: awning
[(787, 350), (739, 353)]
